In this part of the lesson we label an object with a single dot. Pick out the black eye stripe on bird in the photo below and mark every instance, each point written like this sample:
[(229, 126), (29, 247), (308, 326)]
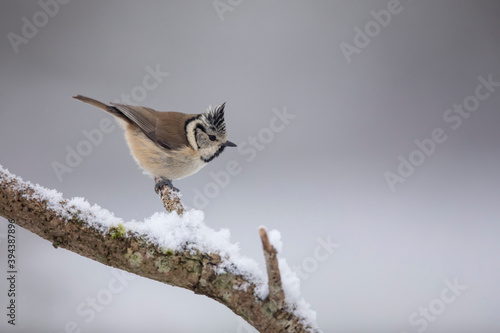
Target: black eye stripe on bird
[(169, 145)]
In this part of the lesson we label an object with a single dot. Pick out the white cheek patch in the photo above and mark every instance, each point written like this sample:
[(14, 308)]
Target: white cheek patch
[(190, 133)]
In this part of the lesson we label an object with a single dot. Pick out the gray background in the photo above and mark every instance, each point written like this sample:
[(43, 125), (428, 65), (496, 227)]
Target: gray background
[(323, 176)]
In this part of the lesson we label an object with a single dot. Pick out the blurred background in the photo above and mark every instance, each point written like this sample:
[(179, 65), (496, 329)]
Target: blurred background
[(326, 100)]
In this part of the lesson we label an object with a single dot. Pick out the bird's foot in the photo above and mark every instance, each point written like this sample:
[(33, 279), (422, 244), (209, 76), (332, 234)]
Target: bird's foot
[(163, 182)]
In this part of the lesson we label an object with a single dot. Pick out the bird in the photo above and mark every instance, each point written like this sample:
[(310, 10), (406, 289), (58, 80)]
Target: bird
[(169, 145)]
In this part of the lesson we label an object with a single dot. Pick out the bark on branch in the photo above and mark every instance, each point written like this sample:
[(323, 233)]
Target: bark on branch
[(171, 200), (196, 271), (276, 294)]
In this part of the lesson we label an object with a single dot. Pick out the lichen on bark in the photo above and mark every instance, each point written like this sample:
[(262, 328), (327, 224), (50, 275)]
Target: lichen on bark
[(193, 270)]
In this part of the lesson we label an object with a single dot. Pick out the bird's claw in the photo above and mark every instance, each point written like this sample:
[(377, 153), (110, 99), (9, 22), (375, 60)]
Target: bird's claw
[(164, 182)]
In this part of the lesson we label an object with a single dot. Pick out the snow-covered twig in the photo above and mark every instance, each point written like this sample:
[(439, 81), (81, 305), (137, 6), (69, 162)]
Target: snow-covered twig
[(177, 250), (276, 294), (170, 198)]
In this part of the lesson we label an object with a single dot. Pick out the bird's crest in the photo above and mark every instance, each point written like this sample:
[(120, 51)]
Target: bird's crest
[(215, 118)]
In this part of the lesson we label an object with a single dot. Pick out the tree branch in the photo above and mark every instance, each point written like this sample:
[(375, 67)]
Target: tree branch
[(276, 294), (171, 200), (58, 220)]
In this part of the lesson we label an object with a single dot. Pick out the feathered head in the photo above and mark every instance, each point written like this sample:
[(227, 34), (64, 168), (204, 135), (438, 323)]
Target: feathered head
[(214, 118)]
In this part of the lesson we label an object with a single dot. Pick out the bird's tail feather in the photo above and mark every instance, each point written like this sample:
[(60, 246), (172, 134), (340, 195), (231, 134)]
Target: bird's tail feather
[(108, 108)]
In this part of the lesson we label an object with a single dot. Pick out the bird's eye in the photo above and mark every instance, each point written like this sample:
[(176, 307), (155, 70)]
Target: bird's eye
[(211, 137)]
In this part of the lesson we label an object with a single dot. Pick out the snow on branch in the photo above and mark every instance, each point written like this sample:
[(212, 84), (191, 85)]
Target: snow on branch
[(276, 294), (175, 248)]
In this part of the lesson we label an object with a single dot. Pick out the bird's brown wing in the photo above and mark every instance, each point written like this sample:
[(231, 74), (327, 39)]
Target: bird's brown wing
[(166, 129), (172, 128), (144, 118)]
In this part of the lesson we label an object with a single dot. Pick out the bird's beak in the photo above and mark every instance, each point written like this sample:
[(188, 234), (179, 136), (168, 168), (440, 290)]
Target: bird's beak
[(229, 144)]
